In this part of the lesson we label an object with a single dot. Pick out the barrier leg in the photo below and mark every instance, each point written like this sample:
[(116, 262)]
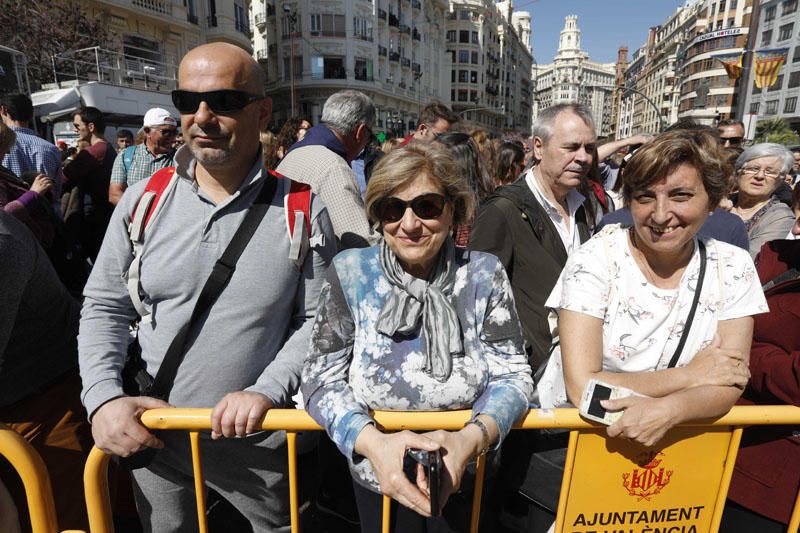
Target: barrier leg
[(387, 513), (565, 481), (794, 520), (476, 498), (199, 484), (98, 498), (291, 445), (33, 472)]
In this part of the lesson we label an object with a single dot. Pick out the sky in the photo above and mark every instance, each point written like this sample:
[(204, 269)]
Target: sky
[(605, 24)]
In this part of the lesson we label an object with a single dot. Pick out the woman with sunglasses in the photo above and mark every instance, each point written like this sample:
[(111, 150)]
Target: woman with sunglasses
[(759, 171), (415, 324)]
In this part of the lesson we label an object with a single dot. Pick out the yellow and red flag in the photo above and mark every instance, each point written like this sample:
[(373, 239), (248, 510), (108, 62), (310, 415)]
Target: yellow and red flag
[(732, 64), (768, 63)]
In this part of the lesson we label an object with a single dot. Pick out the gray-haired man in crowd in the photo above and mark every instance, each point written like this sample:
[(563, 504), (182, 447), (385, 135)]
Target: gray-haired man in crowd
[(322, 160)]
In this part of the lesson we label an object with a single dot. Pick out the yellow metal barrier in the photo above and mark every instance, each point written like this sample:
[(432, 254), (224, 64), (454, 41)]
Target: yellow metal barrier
[(194, 420), (31, 470)]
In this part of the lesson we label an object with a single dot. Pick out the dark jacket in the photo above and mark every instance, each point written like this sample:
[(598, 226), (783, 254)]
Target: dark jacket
[(513, 226), (767, 473)]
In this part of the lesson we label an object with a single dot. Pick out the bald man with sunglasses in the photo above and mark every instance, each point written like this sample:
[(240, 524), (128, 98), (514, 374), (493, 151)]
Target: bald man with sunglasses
[(245, 354)]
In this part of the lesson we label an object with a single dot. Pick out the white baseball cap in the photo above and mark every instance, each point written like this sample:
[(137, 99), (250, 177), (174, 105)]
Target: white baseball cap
[(158, 117)]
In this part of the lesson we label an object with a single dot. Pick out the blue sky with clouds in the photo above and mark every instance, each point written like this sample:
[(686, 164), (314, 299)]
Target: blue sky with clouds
[(605, 24)]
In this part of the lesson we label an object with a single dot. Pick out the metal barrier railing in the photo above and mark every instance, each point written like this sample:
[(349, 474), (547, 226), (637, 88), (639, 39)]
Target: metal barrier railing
[(40, 499), (32, 471)]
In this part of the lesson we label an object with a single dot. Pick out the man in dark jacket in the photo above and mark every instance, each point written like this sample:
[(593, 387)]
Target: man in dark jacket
[(534, 224)]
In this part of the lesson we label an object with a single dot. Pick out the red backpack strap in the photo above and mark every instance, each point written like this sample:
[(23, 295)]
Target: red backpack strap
[(297, 204), (150, 201)]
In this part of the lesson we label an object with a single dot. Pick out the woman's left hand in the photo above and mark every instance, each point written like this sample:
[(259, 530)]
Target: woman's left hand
[(458, 448), (645, 420)]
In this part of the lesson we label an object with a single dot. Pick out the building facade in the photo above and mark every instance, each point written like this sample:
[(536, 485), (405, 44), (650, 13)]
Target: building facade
[(707, 94), (651, 98), (402, 53), (573, 77), (778, 27)]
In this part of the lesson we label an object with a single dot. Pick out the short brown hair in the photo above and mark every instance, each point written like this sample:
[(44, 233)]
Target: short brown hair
[(403, 165), (437, 111), (661, 156)]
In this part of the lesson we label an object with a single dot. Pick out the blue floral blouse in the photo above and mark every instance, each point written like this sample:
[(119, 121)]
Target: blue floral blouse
[(352, 369)]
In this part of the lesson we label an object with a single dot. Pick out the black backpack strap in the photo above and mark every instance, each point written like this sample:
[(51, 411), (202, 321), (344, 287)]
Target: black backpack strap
[(215, 284), (790, 274)]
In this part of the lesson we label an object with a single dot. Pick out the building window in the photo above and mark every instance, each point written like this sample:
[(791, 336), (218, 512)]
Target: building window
[(327, 25), (463, 56), (786, 32), (327, 67), (790, 104), (474, 57), (772, 107), (463, 76), (754, 108), (451, 36), (796, 58), (287, 27), (287, 68), (463, 95), (794, 79), (465, 15), (766, 37), (733, 4), (363, 69), (789, 6), (240, 19), (463, 36), (362, 29), (769, 14), (475, 38), (778, 84), (473, 76)]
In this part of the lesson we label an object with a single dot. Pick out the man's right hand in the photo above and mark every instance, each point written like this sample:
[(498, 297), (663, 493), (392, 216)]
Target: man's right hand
[(116, 427)]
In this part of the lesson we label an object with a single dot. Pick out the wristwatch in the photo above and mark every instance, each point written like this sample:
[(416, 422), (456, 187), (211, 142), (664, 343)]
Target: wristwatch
[(485, 431)]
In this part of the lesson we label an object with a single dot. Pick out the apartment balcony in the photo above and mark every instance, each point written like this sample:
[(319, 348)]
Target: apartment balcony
[(162, 7), (416, 68), (405, 29), (416, 35), (382, 51), (406, 62), (262, 54), (394, 56), (393, 20), (382, 14), (261, 21)]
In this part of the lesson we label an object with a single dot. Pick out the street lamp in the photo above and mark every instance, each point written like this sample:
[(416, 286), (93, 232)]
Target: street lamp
[(292, 16)]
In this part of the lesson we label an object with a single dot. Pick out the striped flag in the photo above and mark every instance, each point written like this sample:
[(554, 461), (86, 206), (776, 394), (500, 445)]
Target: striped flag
[(732, 64), (768, 63)]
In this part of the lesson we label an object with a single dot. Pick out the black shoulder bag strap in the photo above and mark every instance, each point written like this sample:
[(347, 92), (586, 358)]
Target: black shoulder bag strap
[(215, 284), (690, 318)]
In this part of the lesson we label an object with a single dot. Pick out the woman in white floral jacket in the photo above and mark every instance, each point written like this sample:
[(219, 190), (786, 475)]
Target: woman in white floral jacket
[(624, 298)]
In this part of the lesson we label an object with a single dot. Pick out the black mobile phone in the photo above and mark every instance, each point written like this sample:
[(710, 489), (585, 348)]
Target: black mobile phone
[(432, 461)]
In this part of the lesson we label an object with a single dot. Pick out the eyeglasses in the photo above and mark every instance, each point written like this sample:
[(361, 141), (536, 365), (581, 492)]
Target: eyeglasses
[(425, 206), (222, 101), (166, 132), (733, 141), (755, 171)]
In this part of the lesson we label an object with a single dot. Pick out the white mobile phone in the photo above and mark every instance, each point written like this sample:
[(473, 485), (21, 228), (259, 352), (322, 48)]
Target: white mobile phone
[(594, 392)]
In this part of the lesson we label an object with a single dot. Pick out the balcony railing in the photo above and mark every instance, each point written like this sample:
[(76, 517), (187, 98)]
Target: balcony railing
[(405, 29), (394, 56), (162, 7), (261, 54), (382, 51), (415, 68), (406, 62), (261, 21)]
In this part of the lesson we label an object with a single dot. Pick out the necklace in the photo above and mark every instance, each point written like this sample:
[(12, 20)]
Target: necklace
[(650, 274)]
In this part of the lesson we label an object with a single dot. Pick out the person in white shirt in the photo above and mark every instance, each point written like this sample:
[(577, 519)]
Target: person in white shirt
[(624, 299)]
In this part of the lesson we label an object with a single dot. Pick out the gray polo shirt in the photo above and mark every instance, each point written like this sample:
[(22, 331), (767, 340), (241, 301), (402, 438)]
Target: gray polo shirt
[(256, 335)]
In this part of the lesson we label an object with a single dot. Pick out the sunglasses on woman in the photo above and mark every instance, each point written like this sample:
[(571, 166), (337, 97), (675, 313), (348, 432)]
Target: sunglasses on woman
[(425, 206), (222, 101)]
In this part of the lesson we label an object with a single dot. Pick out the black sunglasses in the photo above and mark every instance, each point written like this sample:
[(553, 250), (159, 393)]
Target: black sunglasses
[(222, 101), (425, 206), (735, 141)]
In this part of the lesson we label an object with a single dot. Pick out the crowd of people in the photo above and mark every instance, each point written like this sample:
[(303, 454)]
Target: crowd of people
[(223, 265)]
